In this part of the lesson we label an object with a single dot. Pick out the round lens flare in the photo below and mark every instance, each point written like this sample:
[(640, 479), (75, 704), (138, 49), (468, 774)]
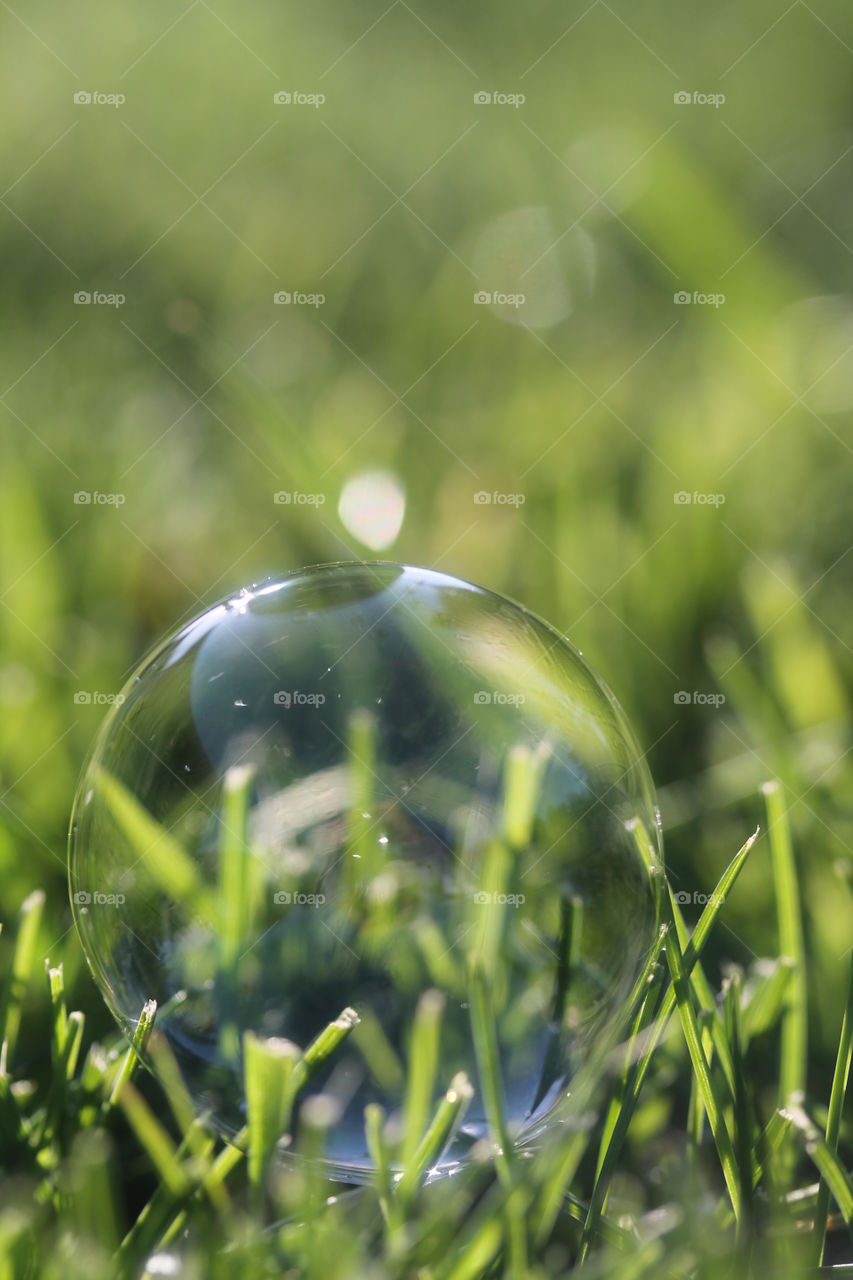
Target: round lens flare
[(379, 789)]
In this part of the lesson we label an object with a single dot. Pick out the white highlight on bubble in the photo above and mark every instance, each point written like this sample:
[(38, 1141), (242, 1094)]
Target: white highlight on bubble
[(371, 507)]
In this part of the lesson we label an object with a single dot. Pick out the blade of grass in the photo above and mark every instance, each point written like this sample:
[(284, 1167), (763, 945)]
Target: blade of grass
[(833, 1118), (522, 781), (59, 1014), (827, 1162), (131, 1058), (365, 853), (423, 1063), (318, 1051), (478, 1254), (73, 1041), (714, 906), (650, 855), (159, 1216), (489, 908), (153, 1137), (705, 1001), (233, 857), (447, 1118), (792, 1067), (432, 943), (715, 1033), (23, 958), (487, 1055), (66, 1038), (172, 1082), (269, 1067), (639, 1012), (768, 1000), (553, 1194), (374, 1120), (707, 1089), (770, 1143), (323, 1046), (568, 951), (744, 1120), (488, 1066), (692, 951), (379, 1054), (158, 851), (11, 1123), (695, 1130), (235, 896)]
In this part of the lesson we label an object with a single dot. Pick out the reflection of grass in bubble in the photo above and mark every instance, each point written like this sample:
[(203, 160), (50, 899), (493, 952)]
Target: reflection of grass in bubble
[(402, 914), (168, 864)]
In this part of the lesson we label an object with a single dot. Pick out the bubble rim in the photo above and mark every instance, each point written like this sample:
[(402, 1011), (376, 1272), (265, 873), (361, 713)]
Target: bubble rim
[(638, 767)]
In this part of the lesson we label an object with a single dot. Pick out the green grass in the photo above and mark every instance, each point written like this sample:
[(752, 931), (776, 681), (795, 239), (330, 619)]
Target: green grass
[(597, 420), (834, 1112), (229, 1209)]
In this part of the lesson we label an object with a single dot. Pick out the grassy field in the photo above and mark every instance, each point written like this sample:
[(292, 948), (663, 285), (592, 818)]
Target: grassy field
[(658, 407)]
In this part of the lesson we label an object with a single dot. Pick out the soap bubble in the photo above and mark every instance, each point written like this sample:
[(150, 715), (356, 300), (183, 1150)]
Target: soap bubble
[(356, 787)]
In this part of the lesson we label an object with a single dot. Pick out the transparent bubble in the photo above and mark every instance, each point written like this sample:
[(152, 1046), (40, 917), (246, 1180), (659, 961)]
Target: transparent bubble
[(351, 787)]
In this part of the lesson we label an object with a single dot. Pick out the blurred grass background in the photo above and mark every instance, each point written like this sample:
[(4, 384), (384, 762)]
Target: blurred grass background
[(599, 399)]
